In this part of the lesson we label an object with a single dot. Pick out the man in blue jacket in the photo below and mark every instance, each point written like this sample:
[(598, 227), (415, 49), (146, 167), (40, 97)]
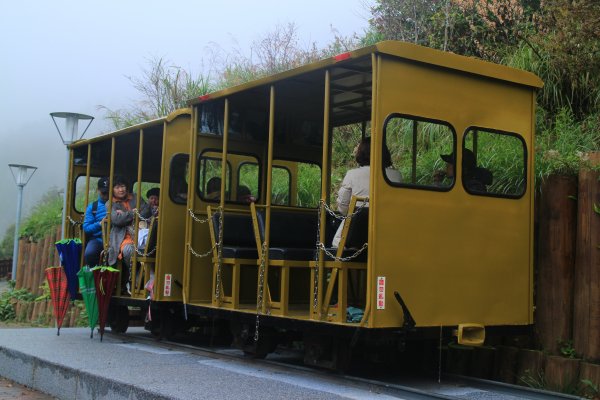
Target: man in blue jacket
[(94, 213)]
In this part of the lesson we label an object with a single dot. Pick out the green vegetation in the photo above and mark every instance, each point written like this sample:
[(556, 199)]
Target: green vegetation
[(45, 216)]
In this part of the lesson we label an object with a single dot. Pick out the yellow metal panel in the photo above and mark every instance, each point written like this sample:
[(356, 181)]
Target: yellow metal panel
[(453, 257), (172, 218)]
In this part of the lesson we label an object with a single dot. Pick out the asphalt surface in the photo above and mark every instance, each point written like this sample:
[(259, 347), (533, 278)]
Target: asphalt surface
[(73, 366)]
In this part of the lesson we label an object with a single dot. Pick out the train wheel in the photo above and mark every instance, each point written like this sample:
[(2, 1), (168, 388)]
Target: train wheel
[(329, 352), (119, 321), (243, 339)]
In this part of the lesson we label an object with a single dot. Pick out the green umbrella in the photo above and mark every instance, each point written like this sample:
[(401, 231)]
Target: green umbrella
[(88, 292)]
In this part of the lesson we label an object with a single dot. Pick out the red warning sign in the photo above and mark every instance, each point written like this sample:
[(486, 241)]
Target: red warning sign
[(168, 282), (381, 292)]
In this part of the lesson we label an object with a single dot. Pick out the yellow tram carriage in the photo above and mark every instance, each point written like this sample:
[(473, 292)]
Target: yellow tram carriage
[(443, 254)]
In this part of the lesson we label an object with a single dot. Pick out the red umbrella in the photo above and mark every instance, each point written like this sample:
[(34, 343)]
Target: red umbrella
[(105, 279), (57, 282)]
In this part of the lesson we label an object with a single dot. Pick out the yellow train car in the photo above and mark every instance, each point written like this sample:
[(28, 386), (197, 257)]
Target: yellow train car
[(150, 155), (443, 243)]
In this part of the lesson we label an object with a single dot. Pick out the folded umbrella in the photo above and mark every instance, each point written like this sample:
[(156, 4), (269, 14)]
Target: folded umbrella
[(70, 258), (105, 280), (87, 288), (57, 282)]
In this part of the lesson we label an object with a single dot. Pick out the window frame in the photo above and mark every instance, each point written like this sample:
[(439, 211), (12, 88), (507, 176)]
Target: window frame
[(525, 158), (289, 202), (171, 194), (243, 163), (412, 185)]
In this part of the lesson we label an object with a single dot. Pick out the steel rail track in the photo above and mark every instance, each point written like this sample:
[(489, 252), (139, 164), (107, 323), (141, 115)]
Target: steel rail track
[(468, 388)]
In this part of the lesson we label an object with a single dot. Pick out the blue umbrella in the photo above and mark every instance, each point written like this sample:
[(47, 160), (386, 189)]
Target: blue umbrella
[(70, 256)]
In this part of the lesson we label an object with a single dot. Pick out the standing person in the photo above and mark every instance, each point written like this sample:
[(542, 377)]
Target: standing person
[(94, 214), (122, 217), (356, 181)]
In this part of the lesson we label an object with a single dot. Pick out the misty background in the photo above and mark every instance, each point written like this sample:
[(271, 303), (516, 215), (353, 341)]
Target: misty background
[(74, 56)]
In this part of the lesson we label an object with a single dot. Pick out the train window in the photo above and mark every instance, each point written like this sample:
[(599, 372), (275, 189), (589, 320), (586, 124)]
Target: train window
[(179, 178), (308, 185), (79, 194), (282, 186), (210, 118), (494, 163), (247, 187), (414, 153), (209, 177)]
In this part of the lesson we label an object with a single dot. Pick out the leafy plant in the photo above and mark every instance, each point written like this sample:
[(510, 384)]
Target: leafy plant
[(566, 348)]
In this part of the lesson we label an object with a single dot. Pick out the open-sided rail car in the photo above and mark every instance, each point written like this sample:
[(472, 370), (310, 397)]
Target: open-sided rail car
[(438, 255), (152, 154)]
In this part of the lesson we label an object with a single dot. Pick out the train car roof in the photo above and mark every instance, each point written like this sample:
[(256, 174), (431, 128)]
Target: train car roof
[(144, 125), (402, 50)]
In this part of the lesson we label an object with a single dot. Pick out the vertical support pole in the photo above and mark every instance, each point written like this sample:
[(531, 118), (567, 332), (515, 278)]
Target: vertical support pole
[(136, 219), (16, 239), (224, 156), (191, 203), (268, 195), (64, 210), (324, 192)]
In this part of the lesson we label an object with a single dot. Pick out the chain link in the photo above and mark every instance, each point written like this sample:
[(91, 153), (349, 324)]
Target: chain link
[(201, 255), (197, 219), (261, 285), (219, 245), (135, 210), (73, 222), (335, 215), (321, 246), (141, 253)]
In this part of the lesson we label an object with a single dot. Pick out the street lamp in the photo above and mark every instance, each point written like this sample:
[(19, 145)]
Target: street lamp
[(68, 136), (22, 175)]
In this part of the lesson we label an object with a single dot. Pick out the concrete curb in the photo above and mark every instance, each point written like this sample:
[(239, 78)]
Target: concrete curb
[(67, 383)]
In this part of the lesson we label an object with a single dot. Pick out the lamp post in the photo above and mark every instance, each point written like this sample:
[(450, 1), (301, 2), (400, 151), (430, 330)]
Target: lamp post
[(68, 136), (22, 175)]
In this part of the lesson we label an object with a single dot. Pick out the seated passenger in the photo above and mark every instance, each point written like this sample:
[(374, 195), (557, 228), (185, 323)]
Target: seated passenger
[(244, 195), (153, 195), (356, 181), (475, 178), (213, 189), (121, 246), (92, 227)]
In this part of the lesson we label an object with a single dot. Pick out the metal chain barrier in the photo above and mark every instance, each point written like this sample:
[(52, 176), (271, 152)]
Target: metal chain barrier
[(201, 255), (196, 218), (136, 212), (261, 285), (73, 222), (141, 253), (219, 245), (349, 258), (345, 217)]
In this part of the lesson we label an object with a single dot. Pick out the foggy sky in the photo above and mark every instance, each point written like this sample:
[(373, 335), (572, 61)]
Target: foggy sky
[(72, 56)]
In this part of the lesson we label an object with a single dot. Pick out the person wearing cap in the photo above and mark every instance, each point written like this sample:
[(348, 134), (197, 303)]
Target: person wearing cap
[(475, 179), (121, 245), (95, 212), (153, 195)]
